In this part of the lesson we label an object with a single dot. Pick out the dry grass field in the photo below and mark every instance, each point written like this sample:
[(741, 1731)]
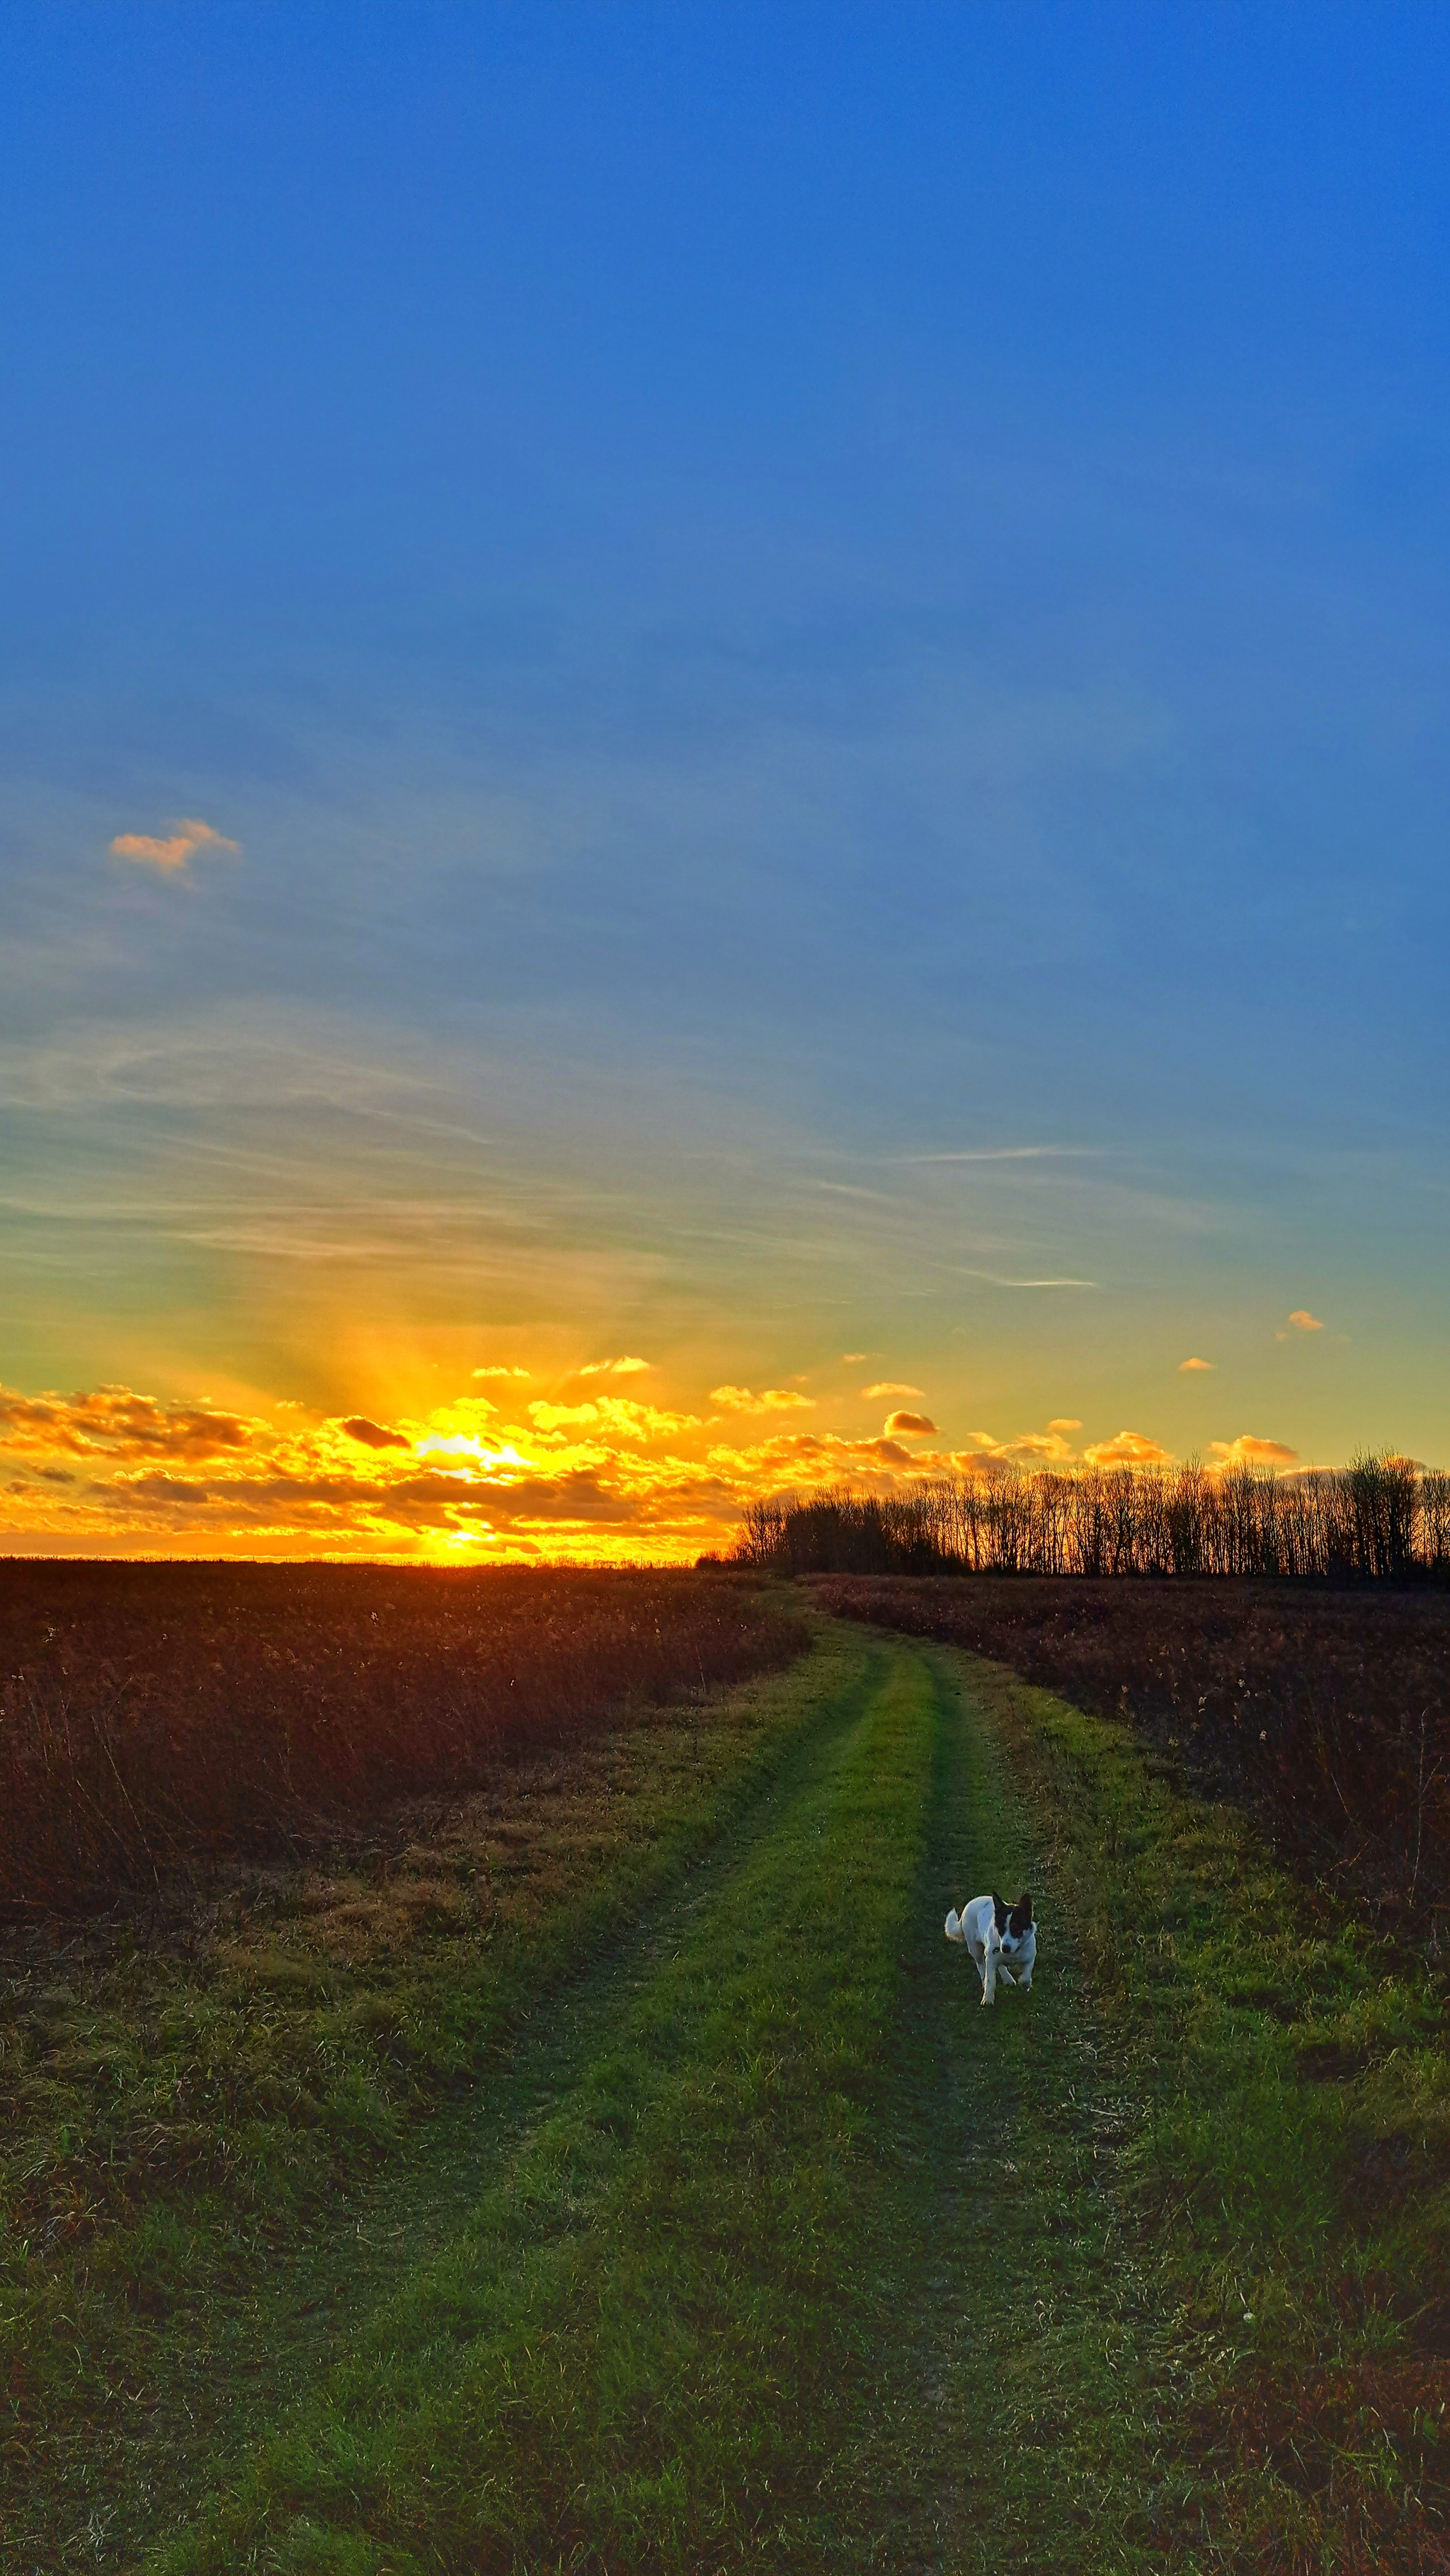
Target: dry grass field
[(155, 1719), (1325, 1711)]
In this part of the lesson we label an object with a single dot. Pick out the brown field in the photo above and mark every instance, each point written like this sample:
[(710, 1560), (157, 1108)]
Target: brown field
[(156, 1719), (1325, 1711)]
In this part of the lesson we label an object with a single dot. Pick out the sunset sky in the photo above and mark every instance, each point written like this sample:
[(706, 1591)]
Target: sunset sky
[(726, 738)]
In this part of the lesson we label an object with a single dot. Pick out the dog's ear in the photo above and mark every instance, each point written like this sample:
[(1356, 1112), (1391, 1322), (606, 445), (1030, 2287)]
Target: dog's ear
[(1023, 1907), (1000, 1909)]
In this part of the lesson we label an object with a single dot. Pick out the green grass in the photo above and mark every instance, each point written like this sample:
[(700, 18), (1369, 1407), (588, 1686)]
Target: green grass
[(733, 2304), (1286, 2090), (213, 2120), (641, 2349), (739, 2235)]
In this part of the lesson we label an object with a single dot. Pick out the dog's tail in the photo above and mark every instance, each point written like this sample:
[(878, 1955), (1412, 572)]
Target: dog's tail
[(955, 1930)]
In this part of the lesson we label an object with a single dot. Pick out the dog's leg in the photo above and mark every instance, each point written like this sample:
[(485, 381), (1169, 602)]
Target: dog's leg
[(989, 1977), (1007, 1973)]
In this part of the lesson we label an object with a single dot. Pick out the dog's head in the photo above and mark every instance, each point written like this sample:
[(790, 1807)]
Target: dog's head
[(1014, 1922)]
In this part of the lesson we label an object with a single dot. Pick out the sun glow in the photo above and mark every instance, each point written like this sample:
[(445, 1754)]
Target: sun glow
[(111, 1471)]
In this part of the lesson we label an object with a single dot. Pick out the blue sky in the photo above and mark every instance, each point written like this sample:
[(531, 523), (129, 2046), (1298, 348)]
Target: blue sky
[(822, 634)]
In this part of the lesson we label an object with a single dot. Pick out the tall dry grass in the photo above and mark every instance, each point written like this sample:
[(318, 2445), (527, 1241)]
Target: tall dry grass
[(156, 1718), (1324, 1709), (1381, 1519)]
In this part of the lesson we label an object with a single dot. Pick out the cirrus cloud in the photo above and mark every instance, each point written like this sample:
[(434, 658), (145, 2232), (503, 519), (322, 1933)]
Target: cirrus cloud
[(886, 1386), (771, 1399)]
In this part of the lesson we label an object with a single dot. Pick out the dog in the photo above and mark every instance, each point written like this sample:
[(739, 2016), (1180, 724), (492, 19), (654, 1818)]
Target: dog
[(997, 1933)]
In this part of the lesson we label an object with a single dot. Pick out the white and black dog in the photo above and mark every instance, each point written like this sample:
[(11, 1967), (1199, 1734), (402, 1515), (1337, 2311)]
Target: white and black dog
[(1001, 1938)]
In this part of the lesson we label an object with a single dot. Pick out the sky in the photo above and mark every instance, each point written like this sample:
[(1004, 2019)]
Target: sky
[(725, 758)]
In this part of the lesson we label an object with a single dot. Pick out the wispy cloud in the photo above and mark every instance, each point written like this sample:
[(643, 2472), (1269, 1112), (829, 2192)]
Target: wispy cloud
[(1303, 1322), (629, 1366), (1006, 1154), (1064, 1422), (888, 1386), (771, 1399), (995, 1279), (498, 1370), (171, 855)]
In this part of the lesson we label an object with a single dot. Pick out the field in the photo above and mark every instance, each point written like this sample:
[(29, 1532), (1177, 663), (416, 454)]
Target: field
[(156, 1717), (598, 2161), (1326, 1712)]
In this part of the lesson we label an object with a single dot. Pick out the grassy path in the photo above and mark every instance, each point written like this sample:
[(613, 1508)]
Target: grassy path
[(1031, 2423), (783, 2253), (762, 2245)]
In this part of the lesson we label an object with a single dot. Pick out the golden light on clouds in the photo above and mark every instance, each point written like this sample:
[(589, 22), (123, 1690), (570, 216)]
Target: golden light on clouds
[(1250, 1451), (1188, 1368), (889, 1386), (772, 1399), (172, 855), (491, 1477), (1128, 1449), (1304, 1322)]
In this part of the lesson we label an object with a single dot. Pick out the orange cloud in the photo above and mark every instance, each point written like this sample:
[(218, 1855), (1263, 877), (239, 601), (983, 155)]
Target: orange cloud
[(886, 1386), (500, 1371), (916, 1423), (1064, 1422), (772, 1399), (1128, 1449), (616, 1413), (1304, 1322), (627, 1367), (1249, 1451), (1030, 1448), (115, 1423), (170, 857), (1186, 1366)]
